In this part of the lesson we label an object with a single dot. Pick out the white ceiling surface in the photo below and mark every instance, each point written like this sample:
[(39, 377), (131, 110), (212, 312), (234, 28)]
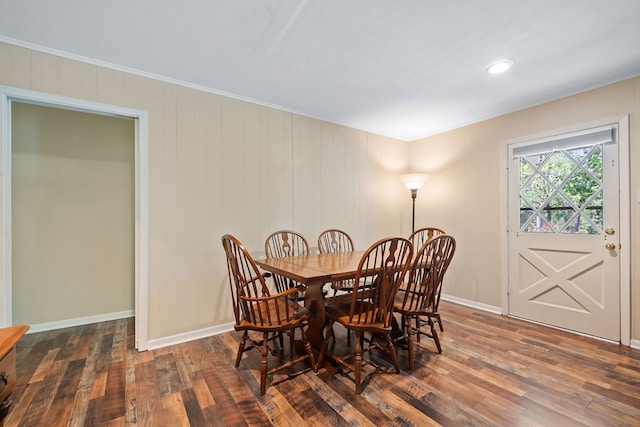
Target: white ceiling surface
[(401, 68)]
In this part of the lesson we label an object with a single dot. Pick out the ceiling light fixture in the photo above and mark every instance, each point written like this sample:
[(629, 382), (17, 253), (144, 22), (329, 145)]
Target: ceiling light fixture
[(499, 66)]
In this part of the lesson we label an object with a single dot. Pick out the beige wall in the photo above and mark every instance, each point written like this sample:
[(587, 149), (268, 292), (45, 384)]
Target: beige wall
[(218, 165), (72, 214), (464, 195)]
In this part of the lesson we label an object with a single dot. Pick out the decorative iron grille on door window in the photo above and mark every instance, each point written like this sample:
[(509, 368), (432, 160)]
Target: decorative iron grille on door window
[(561, 185)]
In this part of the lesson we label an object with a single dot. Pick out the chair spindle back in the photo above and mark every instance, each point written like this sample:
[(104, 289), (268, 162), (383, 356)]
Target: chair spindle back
[(382, 268), (422, 290), (419, 237), (333, 241)]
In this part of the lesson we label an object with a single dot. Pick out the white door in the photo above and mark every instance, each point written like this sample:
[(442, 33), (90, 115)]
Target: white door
[(564, 202)]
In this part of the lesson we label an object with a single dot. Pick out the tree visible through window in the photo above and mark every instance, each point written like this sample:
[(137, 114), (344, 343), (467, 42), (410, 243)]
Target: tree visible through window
[(561, 191)]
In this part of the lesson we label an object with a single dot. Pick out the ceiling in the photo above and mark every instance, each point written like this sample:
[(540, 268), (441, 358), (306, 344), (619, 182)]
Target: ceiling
[(401, 68)]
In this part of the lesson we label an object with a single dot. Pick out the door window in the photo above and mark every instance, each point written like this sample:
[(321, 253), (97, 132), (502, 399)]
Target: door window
[(560, 182), (561, 191)]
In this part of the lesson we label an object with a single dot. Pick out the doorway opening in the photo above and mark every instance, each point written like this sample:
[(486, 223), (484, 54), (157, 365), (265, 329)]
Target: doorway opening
[(10, 99)]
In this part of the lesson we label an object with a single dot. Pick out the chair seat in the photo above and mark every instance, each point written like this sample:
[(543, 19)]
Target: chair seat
[(340, 313), (271, 322), (398, 306)]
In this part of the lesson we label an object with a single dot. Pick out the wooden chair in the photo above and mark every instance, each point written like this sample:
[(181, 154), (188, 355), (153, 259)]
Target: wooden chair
[(256, 310), (371, 309), (281, 244), (418, 239), (333, 241), (418, 296)]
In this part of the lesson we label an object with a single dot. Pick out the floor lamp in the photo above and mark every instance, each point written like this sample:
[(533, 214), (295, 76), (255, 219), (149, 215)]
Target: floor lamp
[(414, 182)]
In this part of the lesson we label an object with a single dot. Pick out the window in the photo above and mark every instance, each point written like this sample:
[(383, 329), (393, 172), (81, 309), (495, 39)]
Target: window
[(560, 184)]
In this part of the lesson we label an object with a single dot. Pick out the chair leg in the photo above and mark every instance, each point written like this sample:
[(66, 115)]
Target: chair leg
[(264, 350), (392, 353), (307, 347), (439, 322), (411, 337), (418, 321), (281, 339), (435, 334), (357, 365), (291, 340), (243, 341), (325, 343)]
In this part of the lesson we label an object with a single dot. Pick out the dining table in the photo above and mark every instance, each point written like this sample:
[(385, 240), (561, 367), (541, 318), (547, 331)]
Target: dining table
[(314, 271)]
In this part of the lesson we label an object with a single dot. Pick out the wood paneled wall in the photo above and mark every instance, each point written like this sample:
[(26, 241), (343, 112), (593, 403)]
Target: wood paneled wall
[(220, 165)]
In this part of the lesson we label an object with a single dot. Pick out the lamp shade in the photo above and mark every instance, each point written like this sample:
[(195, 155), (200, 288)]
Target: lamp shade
[(414, 181)]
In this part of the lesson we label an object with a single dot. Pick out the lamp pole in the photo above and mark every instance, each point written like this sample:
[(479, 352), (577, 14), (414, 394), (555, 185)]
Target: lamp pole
[(414, 194)]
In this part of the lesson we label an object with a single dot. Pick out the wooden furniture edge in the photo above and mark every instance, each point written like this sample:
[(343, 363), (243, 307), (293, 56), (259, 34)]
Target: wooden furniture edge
[(9, 337)]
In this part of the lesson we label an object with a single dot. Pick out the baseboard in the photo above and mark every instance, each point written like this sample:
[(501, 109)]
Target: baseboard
[(190, 336), (215, 330), (67, 323), (472, 304), (497, 310)]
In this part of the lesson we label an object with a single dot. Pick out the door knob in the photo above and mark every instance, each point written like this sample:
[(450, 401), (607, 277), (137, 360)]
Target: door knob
[(609, 230), (610, 246)]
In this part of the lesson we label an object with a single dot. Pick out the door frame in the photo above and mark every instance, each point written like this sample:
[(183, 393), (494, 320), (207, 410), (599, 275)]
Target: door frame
[(141, 178), (625, 213)]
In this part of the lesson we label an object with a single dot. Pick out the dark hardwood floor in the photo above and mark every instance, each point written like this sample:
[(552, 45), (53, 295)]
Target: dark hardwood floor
[(493, 371)]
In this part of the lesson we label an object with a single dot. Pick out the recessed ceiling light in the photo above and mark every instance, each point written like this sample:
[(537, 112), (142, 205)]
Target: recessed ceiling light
[(499, 66)]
